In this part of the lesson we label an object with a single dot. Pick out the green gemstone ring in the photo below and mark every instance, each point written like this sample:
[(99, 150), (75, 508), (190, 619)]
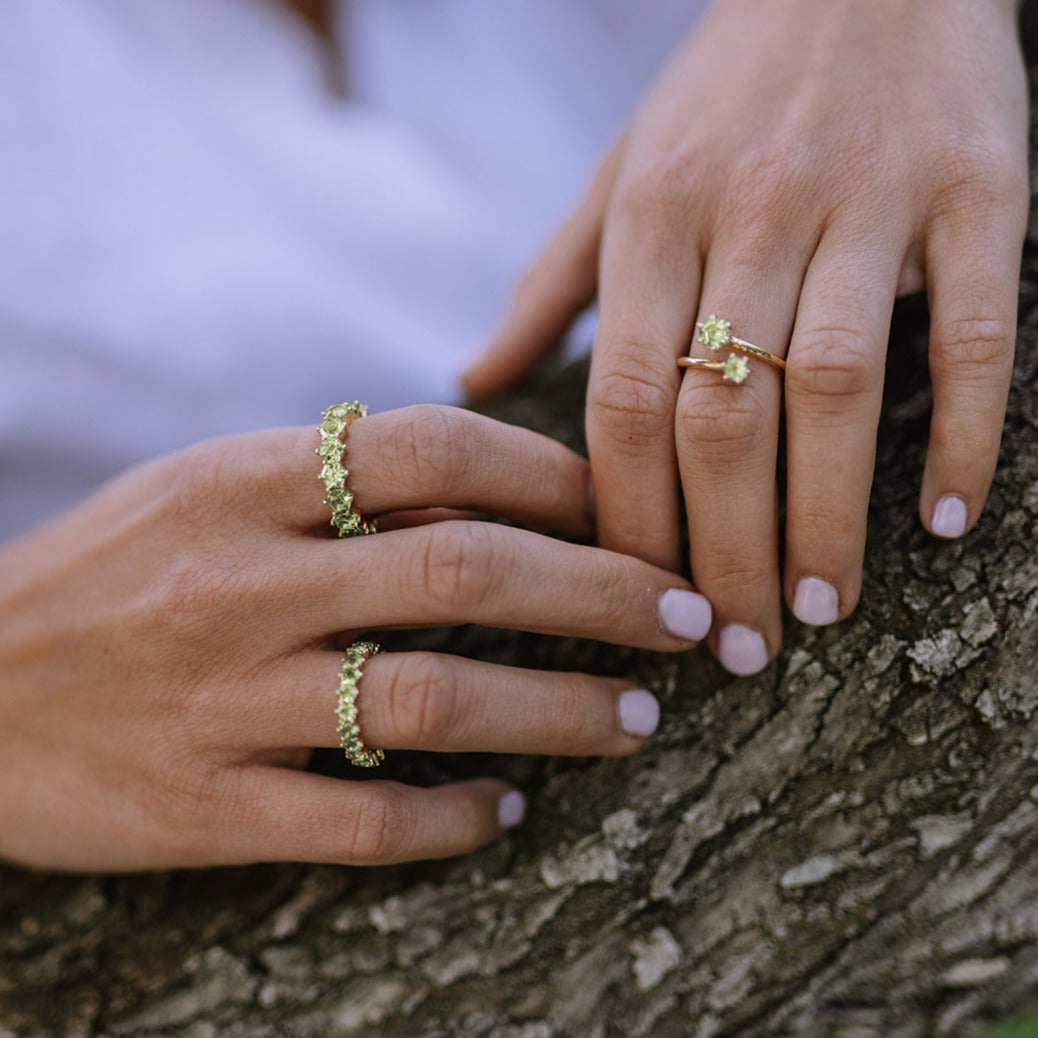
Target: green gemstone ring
[(715, 333), (346, 709), (335, 424)]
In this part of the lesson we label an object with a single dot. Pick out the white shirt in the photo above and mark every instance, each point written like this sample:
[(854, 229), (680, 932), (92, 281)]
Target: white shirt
[(198, 237)]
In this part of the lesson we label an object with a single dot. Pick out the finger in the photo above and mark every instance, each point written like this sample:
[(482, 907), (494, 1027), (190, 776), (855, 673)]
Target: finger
[(973, 264), (834, 392), (284, 815), (554, 290), (443, 457), (648, 290), (447, 704), (727, 444), (452, 573)]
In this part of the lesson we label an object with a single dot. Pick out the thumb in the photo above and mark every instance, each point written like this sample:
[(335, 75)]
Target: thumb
[(551, 293)]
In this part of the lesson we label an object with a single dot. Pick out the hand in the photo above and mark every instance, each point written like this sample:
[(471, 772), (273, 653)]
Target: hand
[(168, 648), (797, 166)]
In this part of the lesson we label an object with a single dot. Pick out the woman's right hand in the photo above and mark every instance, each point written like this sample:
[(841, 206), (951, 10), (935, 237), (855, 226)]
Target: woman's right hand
[(170, 649)]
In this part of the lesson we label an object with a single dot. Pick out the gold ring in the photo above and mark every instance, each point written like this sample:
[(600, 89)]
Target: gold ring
[(346, 708), (715, 333), (335, 424)]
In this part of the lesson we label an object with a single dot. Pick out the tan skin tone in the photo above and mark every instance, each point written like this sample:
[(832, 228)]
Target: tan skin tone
[(169, 649), (797, 166)]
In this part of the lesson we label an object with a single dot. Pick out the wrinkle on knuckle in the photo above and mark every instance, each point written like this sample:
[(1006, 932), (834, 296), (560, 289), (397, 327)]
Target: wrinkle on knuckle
[(432, 446), (833, 366), (423, 701), (631, 407), (719, 422), (731, 578), (658, 195), (975, 177), (814, 524), (374, 833), (458, 566), (968, 348)]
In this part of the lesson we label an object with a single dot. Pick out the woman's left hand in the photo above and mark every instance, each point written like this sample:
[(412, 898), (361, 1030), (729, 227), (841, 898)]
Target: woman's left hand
[(798, 165)]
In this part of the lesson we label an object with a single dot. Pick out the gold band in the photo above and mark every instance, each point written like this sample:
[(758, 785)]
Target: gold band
[(335, 424), (715, 333), (346, 709), (755, 351)]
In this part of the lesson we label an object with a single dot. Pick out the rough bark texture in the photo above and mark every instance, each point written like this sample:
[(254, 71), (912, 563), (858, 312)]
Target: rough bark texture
[(843, 846)]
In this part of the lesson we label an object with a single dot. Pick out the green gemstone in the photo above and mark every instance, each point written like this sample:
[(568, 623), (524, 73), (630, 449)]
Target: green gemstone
[(331, 426), (715, 332), (338, 498), (331, 447), (736, 368), (332, 472)]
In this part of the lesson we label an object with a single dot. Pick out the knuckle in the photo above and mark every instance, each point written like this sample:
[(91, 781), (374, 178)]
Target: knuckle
[(731, 578), (833, 364), (433, 445), (376, 828), (721, 422), (969, 346), (659, 194), (975, 176), (812, 523), (423, 701), (458, 565), (630, 407)]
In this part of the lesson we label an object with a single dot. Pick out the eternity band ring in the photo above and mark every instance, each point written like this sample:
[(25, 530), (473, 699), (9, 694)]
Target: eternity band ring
[(715, 333)]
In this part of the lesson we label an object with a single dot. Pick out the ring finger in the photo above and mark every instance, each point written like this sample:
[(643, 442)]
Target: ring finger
[(727, 444), (435, 702)]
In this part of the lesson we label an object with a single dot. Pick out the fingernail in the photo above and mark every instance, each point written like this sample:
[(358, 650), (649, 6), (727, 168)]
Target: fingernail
[(816, 602), (685, 614), (639, 713), (511, 809), (949, 517), (742, 649)]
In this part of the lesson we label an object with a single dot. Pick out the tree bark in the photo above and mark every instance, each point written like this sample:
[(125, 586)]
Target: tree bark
[(844, 845)]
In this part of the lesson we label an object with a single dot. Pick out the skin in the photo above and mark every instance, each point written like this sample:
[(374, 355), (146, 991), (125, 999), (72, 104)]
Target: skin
[(170, 648), (797, 166)]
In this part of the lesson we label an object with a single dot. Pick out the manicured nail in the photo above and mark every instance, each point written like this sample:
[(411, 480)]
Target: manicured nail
[(511, 809), (639, 713), (742, 649), (816, 602), (949, 517), (685, 614)]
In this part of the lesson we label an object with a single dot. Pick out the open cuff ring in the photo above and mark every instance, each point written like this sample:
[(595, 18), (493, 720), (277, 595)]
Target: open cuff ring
[(335, 424), (715, 333), (346, 708)]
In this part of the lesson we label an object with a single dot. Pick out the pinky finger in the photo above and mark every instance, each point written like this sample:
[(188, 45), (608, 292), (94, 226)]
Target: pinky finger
[(973, 265), (304, 817)]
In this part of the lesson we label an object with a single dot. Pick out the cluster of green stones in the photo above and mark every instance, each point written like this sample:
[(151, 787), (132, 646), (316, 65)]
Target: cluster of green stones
[(715, 333), (335, 421), (346, 711)]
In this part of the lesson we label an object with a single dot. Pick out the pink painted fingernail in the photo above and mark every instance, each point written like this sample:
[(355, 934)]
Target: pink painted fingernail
[(949, 517), (639, 713), (816, 602), (685, 614), (742, 649), (511, 809)]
